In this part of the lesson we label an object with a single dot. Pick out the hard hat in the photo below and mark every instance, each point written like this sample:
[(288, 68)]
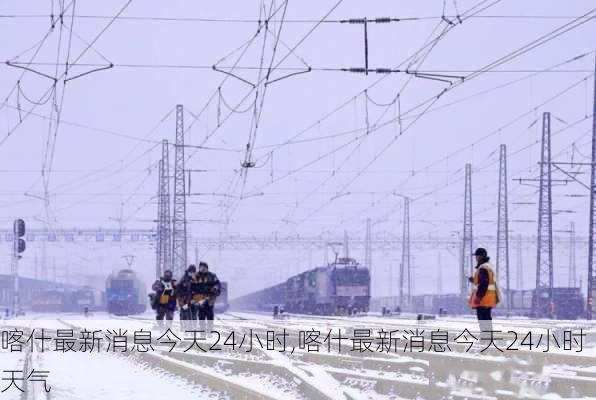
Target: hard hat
[(480, 252)]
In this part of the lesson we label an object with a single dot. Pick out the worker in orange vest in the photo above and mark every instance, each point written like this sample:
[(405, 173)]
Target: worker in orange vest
[(485, 294)]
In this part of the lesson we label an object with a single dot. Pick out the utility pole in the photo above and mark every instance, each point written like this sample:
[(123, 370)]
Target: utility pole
[(503, 228), (520, 267), (368, 250), (44, 254), (405, 274), (346, 246), (572, 266), (439, 275), (466, 251), (543, 300), (592, 225), (179, 247)]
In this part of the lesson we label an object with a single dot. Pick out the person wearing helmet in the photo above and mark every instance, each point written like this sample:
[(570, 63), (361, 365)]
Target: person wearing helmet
[(205, 289), (485, 295), (165, 298), (185, 298)]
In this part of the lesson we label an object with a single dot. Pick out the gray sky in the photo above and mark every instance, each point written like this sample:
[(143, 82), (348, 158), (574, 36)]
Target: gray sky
[(334, 175)]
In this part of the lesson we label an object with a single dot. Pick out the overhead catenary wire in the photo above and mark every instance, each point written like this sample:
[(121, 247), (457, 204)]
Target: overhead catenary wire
[(424, 47), (543, 39)]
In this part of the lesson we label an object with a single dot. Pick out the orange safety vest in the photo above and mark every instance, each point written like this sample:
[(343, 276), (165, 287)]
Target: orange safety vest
[(491, 297)]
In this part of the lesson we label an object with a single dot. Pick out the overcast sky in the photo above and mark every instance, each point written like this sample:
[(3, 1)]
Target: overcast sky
[(331, 148)]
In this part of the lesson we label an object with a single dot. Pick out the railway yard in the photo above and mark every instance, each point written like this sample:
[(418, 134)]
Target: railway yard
[(281, 199)]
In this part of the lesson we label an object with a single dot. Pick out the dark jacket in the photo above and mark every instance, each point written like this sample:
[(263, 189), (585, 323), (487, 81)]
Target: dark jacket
[(482, 279), (205, 286), (166, 293), (184, 293)]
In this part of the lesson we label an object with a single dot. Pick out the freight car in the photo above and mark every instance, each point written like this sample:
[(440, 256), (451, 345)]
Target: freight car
[(567, 303), (29, 290), (125, 293), (52, 300), (339, 288), (67, 300)]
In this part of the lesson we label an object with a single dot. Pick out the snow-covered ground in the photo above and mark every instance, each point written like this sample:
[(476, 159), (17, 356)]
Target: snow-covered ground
[(269, 370)]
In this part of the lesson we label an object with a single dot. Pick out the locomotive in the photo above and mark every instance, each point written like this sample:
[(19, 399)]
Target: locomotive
[(342, 287), (87, 298), (125, 293)]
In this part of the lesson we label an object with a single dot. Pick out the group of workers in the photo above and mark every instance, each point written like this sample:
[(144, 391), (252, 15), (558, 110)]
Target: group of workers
[(194, 296), (195, 293)]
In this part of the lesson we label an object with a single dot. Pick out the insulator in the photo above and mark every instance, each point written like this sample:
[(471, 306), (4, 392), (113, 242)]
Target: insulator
[(383, 20), (353, 21)]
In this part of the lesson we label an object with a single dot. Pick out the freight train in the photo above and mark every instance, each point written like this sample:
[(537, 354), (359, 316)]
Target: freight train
[(28, 290), (125, 293), (67, 300), (340, 288), (567, 303)]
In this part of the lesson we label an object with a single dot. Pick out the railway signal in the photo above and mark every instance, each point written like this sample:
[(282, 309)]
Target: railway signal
[(19, 232)]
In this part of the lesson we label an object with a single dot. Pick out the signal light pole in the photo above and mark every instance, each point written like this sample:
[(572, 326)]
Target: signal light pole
[(18, 246)]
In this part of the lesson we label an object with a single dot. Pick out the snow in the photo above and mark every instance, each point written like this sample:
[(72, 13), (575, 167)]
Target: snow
[(104, 376), (328, 375)]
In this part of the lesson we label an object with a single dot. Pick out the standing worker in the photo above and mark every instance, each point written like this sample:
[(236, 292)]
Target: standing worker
[(165, 298), (205, 289), (485, 295), (184, 297)]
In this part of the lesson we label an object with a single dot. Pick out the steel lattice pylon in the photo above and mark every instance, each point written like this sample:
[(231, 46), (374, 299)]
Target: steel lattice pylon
[(405, 274), (164, 232), (179, 220), (592, 223), (544, 259), (158, 247), (466, 251), (503, 228)]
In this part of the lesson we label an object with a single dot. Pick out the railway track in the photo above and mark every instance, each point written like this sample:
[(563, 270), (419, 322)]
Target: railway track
[(341, 374)]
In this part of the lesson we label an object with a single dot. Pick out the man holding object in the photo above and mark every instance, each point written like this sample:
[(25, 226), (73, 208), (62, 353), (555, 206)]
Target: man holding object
[(485, 295)]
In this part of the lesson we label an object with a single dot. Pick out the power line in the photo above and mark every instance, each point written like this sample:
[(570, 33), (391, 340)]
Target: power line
[(382, 71), (291, 21)]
